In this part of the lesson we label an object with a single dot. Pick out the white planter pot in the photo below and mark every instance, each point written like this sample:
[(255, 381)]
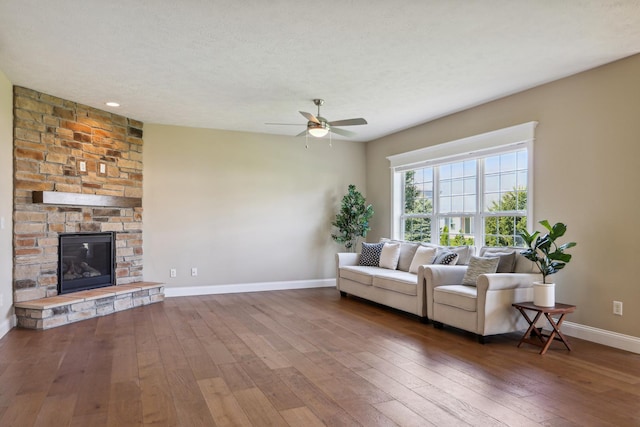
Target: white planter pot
[(544, 294)]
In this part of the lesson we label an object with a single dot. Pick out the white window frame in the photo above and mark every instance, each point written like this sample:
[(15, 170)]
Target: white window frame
[(490, 143)]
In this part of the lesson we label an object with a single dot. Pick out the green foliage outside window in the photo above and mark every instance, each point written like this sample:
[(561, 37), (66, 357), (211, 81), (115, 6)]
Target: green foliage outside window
[(505, 230), (459, 239), (416, 229)]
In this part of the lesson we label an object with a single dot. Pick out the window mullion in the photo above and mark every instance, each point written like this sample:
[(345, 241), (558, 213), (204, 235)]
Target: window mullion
[(479, 219), (435, 216)]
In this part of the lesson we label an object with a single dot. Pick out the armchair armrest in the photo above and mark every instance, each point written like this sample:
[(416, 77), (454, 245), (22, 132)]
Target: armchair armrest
[(496, 293), (431, 276), (500, 281), (438, 275)]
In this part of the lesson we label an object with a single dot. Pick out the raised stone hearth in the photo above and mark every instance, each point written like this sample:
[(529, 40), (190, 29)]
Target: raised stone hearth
[(60, 310)]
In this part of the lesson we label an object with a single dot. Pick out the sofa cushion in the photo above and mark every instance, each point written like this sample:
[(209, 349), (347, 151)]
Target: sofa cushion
[(464, 253), (478, 266), (407, 252), (460, 296), (398, 281), (424, 255), (370, 254), (446, 258), (359, 273), (390, 255)]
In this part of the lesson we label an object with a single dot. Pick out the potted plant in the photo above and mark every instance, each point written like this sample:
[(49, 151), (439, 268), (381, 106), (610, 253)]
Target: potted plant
[(548, 257), (353, 219)]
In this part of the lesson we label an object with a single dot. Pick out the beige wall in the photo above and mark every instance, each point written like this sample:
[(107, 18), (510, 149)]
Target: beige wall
[(242, 207), (6, 198), (587, 174)]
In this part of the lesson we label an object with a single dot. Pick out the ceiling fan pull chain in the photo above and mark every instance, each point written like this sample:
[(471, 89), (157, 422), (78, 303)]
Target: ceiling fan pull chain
[(306, 140)]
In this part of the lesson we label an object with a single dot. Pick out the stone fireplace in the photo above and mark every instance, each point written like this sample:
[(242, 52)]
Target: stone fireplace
[(77, 170), (86, 261)]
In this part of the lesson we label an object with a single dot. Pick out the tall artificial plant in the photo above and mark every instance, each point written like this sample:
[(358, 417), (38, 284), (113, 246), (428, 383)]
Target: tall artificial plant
[(543, 250), (353, 219)]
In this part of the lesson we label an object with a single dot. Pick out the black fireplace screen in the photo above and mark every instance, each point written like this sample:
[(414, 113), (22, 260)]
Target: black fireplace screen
[(86, 261)]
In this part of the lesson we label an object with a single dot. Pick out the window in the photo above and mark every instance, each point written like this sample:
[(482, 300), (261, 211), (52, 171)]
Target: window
[(467, 192)]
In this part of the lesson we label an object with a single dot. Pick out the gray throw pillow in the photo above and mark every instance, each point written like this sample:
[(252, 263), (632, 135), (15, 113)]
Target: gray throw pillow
[(507, 261), (478, 266), (407, 252)]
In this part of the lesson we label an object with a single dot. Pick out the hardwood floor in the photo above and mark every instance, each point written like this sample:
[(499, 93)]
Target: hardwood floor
[(301, 358)]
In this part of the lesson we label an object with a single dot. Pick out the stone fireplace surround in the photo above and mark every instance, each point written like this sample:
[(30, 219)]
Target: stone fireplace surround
[(76, 169)]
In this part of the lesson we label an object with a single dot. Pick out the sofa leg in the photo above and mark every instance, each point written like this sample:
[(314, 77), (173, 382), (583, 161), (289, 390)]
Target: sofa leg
[(437, 325), (343, 294), (482, 339), (424, 320)]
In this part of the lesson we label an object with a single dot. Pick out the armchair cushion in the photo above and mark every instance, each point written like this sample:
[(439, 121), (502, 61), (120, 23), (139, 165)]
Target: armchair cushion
[(459, 296)]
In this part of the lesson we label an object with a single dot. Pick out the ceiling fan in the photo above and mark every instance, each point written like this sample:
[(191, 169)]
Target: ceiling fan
[(318, 126)]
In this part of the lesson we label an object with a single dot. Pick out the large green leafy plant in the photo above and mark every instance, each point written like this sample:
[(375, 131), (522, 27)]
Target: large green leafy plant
[(543, 250), (353, 219)]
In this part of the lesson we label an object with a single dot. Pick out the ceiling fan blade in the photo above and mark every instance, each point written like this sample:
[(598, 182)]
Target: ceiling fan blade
[(302, 133), (284, 124), (349, 122), (310, 117), (342, 132)]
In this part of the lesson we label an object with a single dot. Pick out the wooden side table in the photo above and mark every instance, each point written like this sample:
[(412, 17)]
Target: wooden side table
[(543, 340)]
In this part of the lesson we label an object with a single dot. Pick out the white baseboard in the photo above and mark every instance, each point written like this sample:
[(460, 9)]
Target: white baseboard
[(7, 325), (247, 287), (601, 336)]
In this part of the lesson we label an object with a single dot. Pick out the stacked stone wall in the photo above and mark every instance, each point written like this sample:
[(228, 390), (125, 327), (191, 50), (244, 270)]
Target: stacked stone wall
[(64, 146)]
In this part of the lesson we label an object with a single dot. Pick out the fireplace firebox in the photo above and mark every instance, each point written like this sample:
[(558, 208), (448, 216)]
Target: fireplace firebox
[(86, 261)]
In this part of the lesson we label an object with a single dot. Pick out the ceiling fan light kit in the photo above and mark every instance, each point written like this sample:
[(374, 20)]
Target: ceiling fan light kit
[(317, 130), (318, 126)]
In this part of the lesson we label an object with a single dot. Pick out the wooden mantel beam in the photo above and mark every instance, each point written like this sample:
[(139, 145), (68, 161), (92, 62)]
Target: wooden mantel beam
[(78, 199)]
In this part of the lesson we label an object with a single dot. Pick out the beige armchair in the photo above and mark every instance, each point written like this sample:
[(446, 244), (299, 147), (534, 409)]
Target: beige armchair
[(484, 309)]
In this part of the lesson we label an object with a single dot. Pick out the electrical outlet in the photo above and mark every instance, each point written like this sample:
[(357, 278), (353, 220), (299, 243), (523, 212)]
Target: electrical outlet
[(194, 271), (617, 308), (173, 272)]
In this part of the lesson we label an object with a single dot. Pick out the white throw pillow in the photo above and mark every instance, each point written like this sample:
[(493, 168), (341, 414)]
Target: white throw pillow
[(424, 255), (390, 255)]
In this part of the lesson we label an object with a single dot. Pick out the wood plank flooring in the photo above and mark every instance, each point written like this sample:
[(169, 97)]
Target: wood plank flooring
[(302, 358)]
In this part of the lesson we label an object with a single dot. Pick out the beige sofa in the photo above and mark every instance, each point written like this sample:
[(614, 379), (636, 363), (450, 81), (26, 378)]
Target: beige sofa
[(393, 287), (437, 293), (484, 309)]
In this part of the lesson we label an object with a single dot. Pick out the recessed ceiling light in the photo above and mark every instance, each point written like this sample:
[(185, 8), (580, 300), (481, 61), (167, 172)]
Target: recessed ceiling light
[(112, 104)]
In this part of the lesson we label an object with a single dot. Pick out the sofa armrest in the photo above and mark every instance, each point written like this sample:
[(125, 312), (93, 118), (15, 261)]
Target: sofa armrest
[(431, 276), (347, 258), (344, 259)]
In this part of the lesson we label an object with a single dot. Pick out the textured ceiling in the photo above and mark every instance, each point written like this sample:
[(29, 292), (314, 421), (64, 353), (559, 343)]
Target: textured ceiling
[(231, 64)]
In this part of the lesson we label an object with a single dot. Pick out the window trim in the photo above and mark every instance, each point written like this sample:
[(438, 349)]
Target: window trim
[(481, 145)]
